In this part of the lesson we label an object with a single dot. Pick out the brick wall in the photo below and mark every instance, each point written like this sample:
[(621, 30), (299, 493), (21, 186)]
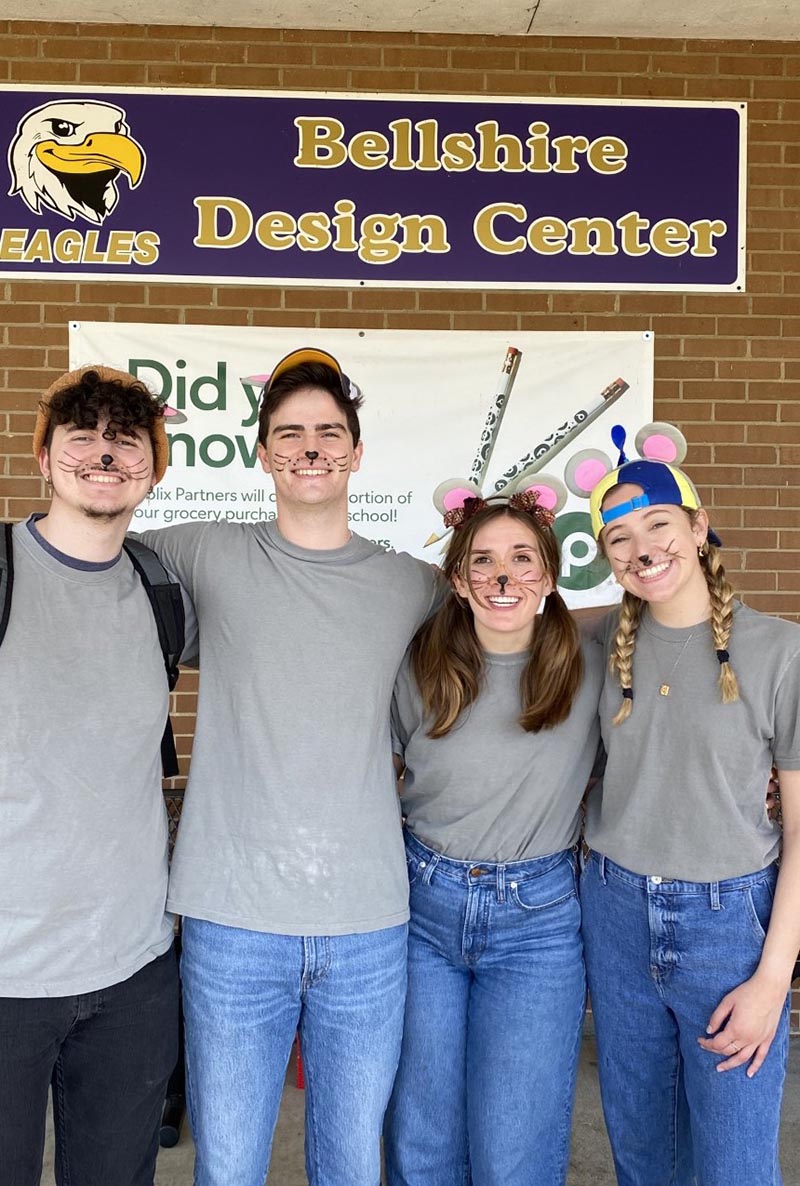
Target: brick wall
[(727, 365)]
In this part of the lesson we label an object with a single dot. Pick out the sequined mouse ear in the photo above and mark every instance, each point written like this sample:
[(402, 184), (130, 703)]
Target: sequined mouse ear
[(583, 471), (453, 493), (661, 442), (550, 491)]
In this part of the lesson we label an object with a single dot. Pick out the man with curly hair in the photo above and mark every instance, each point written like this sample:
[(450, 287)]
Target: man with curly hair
[(88, 981)]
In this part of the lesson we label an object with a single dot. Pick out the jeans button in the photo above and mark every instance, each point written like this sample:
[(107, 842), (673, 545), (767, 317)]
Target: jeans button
[(476, 871), (422, 864), (656, 880)]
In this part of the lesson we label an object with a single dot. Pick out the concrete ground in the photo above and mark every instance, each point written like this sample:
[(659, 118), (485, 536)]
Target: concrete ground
[(590, 1162)]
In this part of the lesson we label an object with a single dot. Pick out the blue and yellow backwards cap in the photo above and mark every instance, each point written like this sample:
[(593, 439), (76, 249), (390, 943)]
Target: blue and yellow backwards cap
[(660, 484)]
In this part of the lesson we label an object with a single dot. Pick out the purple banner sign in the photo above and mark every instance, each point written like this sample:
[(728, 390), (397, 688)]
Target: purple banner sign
[(284, 188)]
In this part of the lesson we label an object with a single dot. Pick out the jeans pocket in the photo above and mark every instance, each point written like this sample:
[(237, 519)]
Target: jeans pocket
[(758, 900), (543, 893)]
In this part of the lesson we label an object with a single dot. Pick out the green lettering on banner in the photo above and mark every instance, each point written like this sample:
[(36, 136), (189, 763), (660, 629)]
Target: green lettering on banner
[(177, 384), (253, 394), (217, 451), (135, 365)]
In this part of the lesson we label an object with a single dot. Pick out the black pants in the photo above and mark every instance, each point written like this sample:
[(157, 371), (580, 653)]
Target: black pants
[(108, 1055)]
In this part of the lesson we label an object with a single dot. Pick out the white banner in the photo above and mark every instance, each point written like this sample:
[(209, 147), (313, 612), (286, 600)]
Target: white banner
[(427, 396)]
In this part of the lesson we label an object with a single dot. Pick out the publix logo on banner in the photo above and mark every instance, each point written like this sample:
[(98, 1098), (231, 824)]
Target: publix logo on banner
[(69, 158), (583, 566)]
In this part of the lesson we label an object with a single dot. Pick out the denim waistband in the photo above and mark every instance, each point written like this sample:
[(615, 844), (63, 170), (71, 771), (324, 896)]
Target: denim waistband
[(486, 873), (669, 885)]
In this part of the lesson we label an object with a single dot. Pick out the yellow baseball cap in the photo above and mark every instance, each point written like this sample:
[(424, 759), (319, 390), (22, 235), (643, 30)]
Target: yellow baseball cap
[(660, 484)]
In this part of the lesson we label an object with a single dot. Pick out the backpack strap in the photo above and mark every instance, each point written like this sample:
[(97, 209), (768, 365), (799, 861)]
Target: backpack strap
[(6, 577), (167, 605)]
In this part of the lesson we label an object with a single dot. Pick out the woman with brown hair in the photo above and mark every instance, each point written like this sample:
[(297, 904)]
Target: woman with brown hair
[(495, 721), (689, 961)]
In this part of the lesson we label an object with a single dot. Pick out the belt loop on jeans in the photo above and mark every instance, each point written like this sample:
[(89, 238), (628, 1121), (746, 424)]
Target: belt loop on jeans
[(601, 867), (714, 895), (429, 868), (501, 884)]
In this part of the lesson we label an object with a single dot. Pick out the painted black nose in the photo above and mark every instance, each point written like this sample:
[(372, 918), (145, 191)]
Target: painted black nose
[(644, 559), (502, 581), (312, 456), (107, 460)]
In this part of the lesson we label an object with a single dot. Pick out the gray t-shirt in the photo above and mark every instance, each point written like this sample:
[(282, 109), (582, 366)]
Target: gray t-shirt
[(488, 790), (684, 790), (291, 822), (83, 831)]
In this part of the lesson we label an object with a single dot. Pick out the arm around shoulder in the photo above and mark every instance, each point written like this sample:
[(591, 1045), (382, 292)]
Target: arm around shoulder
[(178, 548)]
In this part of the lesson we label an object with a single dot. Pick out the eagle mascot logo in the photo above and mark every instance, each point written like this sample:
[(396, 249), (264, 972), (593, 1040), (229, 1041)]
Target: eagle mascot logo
[(67, 156)]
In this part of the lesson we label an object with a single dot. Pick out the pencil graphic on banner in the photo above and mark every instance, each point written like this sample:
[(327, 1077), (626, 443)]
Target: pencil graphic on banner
[(491, 427), (494, 418), (546, 450)]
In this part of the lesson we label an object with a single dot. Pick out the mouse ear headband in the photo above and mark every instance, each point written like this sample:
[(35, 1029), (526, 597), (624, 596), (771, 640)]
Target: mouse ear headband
[(463, 504), (661, 448)]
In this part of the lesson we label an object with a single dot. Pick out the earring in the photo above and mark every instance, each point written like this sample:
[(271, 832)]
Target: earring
[(702, 549)]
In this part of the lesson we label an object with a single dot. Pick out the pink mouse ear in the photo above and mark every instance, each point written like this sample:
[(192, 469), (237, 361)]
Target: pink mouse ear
[(583, 471), (551, 491), (255, 380), (453, 493), (172, 416), (661, 442)]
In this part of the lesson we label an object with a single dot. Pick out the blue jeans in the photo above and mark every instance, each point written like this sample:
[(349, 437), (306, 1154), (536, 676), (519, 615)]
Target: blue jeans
[(245, 995), (108, 1055), (660, 955), (496, 994)]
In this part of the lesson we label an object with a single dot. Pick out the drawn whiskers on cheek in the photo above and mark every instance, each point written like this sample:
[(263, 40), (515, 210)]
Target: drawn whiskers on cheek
[(341, 463), (69, 464), (674, 552), (137, 472), (669, 552), (280, 462)]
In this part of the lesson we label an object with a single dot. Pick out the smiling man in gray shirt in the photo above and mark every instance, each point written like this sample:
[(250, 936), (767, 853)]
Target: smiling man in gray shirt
[(289, 866), (88, 979)]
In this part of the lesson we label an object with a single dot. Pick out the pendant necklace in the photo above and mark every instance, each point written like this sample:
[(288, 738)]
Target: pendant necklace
[(665, 688)]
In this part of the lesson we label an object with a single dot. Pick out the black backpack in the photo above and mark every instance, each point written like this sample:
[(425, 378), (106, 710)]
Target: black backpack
[(165, 600)]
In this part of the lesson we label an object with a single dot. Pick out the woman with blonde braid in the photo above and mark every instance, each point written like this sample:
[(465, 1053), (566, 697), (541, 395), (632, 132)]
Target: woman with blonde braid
[(495, 717), (690, 929)]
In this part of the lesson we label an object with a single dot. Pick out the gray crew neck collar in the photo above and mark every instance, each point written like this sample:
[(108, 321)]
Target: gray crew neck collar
[(503, 659), (676, 633), (64, 569), (64, 558), (357, 548)]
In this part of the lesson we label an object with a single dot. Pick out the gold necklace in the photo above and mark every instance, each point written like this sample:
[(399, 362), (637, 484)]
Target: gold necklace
[(665, 688)]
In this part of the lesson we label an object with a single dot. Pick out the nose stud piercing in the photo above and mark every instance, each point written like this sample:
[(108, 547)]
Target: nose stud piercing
[(502, 581), (311, 455), (106, 460)]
